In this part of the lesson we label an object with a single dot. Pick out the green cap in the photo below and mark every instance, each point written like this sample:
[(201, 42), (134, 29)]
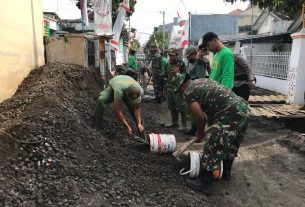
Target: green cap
[(133, 93), (177, 80), (189, 51), (172, 51)]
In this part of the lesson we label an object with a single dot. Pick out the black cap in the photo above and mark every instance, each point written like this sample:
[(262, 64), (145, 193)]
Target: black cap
[(207, 37)]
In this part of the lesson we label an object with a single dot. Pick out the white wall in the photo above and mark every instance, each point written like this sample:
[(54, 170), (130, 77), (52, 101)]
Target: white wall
[(272, 84), (266, 26), (280, 26), (21, 42)]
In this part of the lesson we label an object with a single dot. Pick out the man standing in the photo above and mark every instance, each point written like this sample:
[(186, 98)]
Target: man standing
[(227, 116), (132, 60), (121, 89), (243, 77), (197, 70), (175, 101), (202, 52), (156, 72), (222, 68)]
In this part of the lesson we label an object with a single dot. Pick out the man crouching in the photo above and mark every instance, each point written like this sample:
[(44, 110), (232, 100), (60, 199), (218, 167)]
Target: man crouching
[(226, 114), (121, 89)]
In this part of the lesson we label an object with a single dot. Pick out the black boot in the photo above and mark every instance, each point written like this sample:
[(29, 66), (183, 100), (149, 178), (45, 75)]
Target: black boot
[(227, 165), (203, 183), (191, 131)]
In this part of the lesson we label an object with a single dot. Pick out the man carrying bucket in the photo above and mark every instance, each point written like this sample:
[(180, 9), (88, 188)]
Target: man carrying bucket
[(226, 114), (121, 89)]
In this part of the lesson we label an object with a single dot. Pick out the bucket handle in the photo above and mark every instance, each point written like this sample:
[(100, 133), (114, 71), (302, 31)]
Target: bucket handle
[(184, 173)]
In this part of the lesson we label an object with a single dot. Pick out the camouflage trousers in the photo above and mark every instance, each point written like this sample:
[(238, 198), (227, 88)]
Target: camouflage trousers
[(158, 87), (175, 101), (223, 139)]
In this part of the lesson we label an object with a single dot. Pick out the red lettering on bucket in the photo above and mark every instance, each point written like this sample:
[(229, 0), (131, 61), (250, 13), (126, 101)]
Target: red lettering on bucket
[(159, 142)]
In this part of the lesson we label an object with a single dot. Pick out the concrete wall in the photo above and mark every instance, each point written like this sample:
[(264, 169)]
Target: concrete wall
[(70, 49), (272, 84), (21, 42)]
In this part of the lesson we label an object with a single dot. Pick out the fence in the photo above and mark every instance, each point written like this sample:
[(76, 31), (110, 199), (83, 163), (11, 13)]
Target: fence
[(274, 65)]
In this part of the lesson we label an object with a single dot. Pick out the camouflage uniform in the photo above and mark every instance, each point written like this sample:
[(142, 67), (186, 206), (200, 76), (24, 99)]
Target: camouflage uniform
[(227, 113), (157, 76), (196, 71), (175, 101)]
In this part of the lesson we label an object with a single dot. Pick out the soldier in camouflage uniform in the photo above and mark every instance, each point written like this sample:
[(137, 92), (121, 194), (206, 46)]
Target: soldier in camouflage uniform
[(197, 69), (226, 114), (175, 101), (157, 77)]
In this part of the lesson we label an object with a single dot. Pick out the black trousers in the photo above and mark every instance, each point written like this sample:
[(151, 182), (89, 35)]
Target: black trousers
[(242, 91)]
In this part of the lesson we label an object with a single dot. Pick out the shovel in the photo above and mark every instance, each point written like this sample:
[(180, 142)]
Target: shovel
[(142, 138), (187, 145)]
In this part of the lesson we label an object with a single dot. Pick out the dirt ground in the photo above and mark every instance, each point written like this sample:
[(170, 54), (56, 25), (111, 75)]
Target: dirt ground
[(78, 163)]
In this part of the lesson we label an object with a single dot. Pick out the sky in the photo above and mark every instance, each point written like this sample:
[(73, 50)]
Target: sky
[(147, 12), (65, 9)]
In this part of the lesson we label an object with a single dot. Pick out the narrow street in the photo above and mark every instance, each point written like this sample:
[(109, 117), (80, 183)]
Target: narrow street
[(269, 169), (85, 120)]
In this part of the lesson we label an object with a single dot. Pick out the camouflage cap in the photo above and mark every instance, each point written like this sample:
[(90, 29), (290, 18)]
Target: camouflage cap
[(172, 51), (189, 51), (177, 80), (133, 93)]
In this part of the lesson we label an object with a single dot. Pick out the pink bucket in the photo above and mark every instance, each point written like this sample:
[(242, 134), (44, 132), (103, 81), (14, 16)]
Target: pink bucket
[(162, 143)]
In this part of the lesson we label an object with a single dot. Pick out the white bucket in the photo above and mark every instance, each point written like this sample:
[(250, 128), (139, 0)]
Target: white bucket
[(195, 158), (162, 143), (195, 162)]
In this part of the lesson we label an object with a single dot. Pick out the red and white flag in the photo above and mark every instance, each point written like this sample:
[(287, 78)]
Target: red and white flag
[(117, 27), (184, 36), (180, 20)]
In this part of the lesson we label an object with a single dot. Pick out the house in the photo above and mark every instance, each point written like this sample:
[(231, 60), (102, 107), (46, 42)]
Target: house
[(249, 16), (270, 23), (224, 25), (21, 43)]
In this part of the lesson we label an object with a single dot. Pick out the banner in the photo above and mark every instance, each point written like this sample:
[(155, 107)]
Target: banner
[(185, 36), (103, 17), (117, 27)]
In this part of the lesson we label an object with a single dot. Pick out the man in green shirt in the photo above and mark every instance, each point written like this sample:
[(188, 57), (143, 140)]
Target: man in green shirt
[(132, 60), (227, 116), (222, 68), (122, 89)]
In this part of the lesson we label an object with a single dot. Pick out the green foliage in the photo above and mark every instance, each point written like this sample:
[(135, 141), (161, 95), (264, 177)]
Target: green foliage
[(135, 45), (277, 46), (159, 37), (290, 8)]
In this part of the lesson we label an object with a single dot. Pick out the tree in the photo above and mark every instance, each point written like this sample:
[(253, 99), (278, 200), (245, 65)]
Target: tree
[(159, 40), (135, 45), (290, 8)]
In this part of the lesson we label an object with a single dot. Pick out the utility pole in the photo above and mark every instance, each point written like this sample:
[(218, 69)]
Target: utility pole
[(189, 36), (303, 15), (163, 37), (251, 34)]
